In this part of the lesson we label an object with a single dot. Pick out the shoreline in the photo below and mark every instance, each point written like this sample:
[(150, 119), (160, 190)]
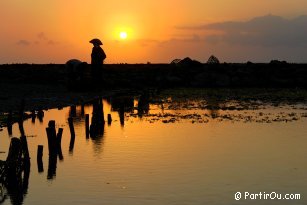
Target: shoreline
[(47, 86), (139, 76)]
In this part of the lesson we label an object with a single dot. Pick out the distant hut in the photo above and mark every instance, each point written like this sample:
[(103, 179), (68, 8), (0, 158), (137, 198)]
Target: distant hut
[(213, 60), (176, 61), (186, 62)]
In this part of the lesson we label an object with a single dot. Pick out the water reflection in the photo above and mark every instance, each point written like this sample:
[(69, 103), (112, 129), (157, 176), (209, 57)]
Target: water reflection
[(122, 104), (21, 129), (40, 115), (73, 111), (17, 186), (213, 106), (54, 148), (144, 158), (97, 125), (15, 172), (143, 104), (9, 123), (33, 116)]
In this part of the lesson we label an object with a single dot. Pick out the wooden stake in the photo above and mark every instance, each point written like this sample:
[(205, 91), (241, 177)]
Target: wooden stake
[(109, 119), (40, 150), (72, 133), (71, 127), (87, 125), (40, 166)]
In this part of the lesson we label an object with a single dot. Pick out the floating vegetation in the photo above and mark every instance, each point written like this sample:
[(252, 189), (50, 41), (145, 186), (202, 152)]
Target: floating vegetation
[(259, 117), (204, 105)]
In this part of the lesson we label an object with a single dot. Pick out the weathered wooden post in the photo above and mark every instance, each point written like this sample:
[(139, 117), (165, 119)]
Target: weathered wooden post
[(40, 165), (121, 113), (71, 145), (52, 164), (51, 134), (59, 137), (109, 119), (101, 112), (25, 149), (26, 175), (51, 124), (71, 126), (52, 145), (60, 154), (13, 159), (40, 150), (40, 115), (20, 125), (72, 133), (87, 125), (73, 111), (33, 116), (82, 109), (58, 142), (9, 130), (9, 122)]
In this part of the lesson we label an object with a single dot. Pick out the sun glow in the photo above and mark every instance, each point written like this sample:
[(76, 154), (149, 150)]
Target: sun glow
[(123, 35)]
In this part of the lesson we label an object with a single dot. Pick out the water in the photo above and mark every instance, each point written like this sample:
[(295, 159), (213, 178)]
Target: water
[(185, 160)]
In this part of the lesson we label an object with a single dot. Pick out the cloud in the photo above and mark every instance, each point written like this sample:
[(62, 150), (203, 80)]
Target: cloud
[(146, 42), (23, 43), (267, 30), (41, 39), (51, 42), (193, 38), (42, 36), (184, 39)]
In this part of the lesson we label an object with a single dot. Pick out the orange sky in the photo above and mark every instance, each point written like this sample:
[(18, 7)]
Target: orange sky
[(54, 31)]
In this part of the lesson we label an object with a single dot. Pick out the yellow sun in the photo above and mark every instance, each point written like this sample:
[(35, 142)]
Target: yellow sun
[(123, 35)]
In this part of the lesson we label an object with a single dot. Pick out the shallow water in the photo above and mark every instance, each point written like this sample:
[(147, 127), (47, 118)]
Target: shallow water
[(182, 155)]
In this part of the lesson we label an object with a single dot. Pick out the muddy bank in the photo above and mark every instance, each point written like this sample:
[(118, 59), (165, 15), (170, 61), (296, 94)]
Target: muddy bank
[(47, 86), (40, 96), (137, 76), (167, 105)]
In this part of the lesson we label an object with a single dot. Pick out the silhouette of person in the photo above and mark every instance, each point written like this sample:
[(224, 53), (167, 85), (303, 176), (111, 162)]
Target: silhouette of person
[(98, 55)]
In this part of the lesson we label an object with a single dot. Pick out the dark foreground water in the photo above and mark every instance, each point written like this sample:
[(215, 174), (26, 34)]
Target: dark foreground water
[(179, 155)]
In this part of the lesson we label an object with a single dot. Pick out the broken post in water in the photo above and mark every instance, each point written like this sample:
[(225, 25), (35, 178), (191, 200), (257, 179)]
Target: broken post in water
[(40, 115), (54, 139), (51, 134), (40, 166), (33, 116), (58, 142), (16, 171), (25, 149), (54, 146), (87, 125), (109, 119), (59, 137), (82, 109), (71, 126), (9, 122), (17, 161), (72, 133), (73, 111)]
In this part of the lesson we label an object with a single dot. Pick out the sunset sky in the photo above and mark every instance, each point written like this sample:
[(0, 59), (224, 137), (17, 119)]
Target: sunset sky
[(54, 31)]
